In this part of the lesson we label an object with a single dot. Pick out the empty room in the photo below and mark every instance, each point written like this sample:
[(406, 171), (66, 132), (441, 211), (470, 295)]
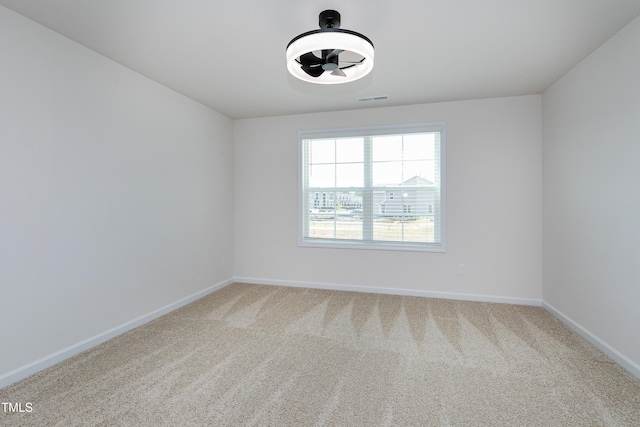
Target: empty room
[(412, 213)]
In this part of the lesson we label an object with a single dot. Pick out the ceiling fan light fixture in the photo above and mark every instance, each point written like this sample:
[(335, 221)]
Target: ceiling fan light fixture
[(331, 42)]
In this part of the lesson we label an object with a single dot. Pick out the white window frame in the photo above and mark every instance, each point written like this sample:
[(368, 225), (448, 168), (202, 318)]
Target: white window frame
[(364, 132)]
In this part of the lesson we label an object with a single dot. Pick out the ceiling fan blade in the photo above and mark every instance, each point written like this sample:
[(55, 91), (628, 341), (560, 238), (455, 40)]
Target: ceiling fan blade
[(333, 53), (310, 60), (313, 71), (338, 72)]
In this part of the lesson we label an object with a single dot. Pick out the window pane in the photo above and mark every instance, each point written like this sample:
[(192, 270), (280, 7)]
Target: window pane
[(349, 226), (419, 146), (418, 229), (350, 175), (349, 219), (385, 148), (349, 202), (322, 226), (408, 229), (322, 201), (387, 173), (350, 150), (322, 175), (387, 228), (322, 151)]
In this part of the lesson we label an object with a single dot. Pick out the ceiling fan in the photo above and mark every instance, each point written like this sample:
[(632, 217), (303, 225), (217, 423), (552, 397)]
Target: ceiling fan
[(330, 55)]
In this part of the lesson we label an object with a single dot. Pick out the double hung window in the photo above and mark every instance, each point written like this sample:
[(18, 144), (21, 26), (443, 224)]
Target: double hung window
[(380, 188)]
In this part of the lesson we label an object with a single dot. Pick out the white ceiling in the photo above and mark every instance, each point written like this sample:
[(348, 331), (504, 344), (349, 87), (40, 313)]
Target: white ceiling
[(230, 55)]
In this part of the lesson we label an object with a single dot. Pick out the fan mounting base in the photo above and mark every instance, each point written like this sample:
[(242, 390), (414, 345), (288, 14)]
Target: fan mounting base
[(329, 19)]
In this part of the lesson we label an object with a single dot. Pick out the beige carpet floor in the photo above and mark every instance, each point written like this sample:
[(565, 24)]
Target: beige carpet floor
[(279, 356)]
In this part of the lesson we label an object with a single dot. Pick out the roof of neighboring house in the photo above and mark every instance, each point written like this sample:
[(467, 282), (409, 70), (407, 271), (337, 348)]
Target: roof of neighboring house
[(417, 181)]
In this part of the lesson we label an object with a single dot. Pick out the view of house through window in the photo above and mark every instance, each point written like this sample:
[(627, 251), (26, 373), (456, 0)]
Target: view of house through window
[(376, 187)]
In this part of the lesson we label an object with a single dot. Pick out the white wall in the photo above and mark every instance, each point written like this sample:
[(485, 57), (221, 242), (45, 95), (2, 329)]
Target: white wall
[(591, 160), (115, 194), (493, 203)]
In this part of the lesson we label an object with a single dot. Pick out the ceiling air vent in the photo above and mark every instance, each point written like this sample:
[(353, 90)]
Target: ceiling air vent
[(373, 98)]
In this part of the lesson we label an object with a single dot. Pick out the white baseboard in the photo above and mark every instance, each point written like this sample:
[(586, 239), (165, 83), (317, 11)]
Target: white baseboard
[(618, 357), (391, 291), (57, 357)]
